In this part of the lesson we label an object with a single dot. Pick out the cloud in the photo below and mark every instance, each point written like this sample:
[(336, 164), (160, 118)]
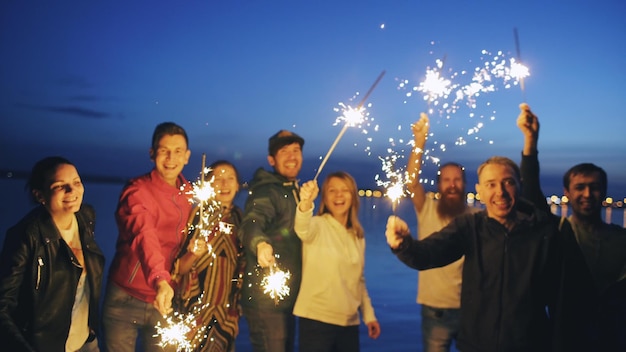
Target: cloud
[(68, 110)]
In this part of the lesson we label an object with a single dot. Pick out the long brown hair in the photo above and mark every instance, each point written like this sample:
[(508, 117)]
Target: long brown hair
[(353, 215)]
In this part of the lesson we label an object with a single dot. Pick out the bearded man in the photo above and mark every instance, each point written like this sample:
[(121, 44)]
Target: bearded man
[(438, 289)]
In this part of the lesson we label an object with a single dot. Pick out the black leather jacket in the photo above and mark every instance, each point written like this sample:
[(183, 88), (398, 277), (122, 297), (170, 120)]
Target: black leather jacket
[(38, 279)]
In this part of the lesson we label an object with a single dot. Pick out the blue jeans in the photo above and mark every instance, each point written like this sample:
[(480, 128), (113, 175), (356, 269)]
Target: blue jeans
[(316, 336), (439, 328), (124, 318), (271, 330)]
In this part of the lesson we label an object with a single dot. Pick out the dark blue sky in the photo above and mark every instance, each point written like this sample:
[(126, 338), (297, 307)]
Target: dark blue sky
[(91, 79)]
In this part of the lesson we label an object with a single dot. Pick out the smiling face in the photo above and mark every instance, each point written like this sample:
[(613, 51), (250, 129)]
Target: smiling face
[(170, 156), (585, 193), (225, 183), (287, 161), (451, 187), (337, 197), (498, 187), (62, 192)]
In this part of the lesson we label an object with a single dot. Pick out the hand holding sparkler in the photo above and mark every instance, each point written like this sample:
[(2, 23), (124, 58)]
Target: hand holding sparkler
[(420, 130), (163, 299), (529, 125), (265, 254), (308, 193), (420, 134), (414, 166), (198, 246), (396, 230)]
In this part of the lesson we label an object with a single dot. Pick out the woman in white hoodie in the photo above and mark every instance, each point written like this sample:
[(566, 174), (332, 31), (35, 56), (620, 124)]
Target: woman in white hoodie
[(333, 289)]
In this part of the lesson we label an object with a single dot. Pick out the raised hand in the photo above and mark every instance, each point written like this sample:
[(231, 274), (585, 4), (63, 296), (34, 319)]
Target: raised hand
[(420, 131), (308, 193), (528, 123)]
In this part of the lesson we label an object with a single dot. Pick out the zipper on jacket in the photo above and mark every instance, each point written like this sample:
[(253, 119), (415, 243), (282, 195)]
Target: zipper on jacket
[(39, 268), (134, 272)]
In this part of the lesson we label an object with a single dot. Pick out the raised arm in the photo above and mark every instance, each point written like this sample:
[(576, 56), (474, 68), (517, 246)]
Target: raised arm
[(420, 132), (304, 213), (528, 123)]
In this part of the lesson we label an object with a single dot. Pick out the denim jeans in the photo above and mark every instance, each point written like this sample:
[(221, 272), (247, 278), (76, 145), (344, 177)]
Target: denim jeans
[(439, 328), (124, 318), (271, 330), (316, 336)]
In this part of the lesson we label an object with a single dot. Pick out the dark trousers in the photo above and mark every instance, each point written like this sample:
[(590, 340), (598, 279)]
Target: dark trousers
[(271, 330), (316, 336)]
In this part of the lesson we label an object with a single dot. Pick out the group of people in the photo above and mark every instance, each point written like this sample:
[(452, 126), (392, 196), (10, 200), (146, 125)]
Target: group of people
[(166, 261), (514, 277)]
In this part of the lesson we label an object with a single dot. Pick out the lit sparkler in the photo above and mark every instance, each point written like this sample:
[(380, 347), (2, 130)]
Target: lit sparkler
[(209, 209), (450, 91), (351, 117), (519, 70), (181, 330), (434, 86), (395, 179), (275, 283)]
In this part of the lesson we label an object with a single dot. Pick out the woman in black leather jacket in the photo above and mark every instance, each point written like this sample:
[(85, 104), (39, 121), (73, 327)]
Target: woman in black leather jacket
[(51, 267)]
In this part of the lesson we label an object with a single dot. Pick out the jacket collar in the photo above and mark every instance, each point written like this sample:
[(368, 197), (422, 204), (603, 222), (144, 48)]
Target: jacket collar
[(182, 185)]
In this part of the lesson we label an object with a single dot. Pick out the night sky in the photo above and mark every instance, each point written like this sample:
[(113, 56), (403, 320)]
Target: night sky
[(90, 80)]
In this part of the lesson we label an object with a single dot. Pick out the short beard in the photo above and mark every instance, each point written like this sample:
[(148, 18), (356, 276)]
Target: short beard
[(448, 208)]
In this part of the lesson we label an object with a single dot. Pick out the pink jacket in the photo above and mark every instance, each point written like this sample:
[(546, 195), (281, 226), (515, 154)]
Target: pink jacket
[(151, 218)]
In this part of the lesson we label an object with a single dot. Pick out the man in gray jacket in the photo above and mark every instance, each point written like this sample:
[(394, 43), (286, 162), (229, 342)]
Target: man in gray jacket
[(269, 240)]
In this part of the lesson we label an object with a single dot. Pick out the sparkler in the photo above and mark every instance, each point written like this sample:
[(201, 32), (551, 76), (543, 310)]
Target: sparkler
[(395, 179), (519, 67), (181, 330), (209, 209), (520, 70), (275, 284), (352, 117), (450, 91)]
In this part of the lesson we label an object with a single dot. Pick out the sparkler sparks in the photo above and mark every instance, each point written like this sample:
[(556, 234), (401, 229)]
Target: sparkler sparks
[(395, 179), (451, 92), (351, 117), (181, 331), (275, 283), (434, 86), (209, 208)]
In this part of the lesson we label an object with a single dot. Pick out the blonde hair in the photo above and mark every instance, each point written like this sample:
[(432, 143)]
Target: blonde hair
[(353, 216), (500, 160)]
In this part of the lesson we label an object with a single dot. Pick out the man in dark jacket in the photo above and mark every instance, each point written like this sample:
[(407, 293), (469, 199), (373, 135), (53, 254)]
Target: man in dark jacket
[(590, 314), (510, 263), (269, 240)]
